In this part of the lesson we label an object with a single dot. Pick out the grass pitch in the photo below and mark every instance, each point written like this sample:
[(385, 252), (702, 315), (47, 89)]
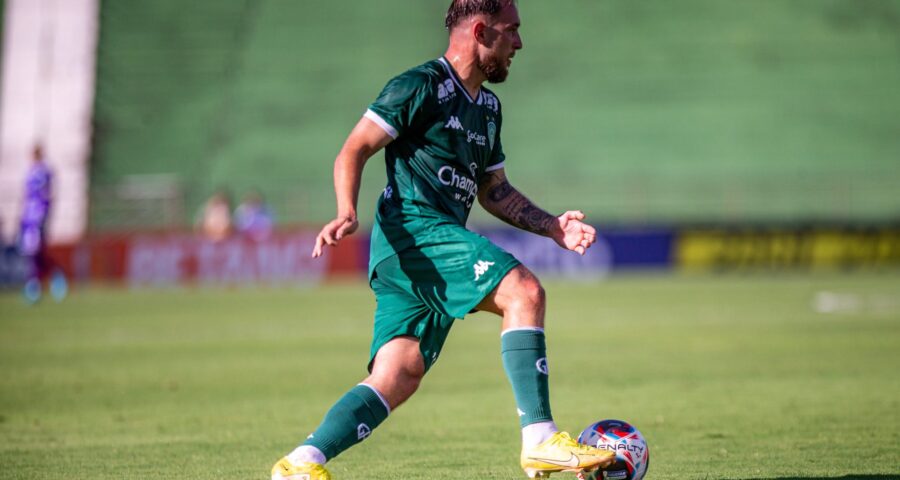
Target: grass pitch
[(727, 377)]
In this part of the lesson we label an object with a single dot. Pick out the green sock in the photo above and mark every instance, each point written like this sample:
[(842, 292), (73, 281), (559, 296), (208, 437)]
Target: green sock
[(350, 421), (525, 361)]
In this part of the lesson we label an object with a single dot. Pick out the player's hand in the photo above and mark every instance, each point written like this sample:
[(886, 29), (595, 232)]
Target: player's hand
[(574, 234), (333, 232)]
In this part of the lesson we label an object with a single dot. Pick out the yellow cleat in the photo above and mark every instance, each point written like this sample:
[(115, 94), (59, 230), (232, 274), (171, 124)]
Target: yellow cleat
[(285, 470), (560, 453)]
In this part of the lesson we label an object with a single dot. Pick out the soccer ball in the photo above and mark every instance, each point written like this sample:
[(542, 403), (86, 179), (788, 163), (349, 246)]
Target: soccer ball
[(632, 453)]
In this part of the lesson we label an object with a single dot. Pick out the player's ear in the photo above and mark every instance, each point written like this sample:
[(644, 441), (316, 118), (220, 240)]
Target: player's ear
[(478, 31)]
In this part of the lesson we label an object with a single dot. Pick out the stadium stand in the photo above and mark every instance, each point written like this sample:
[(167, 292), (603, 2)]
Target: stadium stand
[(637, 112)]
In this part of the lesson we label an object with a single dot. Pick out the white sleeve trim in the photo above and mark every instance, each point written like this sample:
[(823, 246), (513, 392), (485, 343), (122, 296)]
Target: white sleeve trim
[(495, 167), (381, 123)]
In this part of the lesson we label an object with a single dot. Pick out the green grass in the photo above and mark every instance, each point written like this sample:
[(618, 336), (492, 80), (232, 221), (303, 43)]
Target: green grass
[(732, 377)]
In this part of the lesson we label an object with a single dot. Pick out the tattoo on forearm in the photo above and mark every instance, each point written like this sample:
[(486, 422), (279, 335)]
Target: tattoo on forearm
[(500, 192), (510, 205), (534, 219)]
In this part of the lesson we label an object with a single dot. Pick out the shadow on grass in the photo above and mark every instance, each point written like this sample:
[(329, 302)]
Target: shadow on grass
[(893, 476)]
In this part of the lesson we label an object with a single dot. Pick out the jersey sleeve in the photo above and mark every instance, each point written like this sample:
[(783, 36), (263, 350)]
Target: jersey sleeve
[(400, 104), (498, 158)]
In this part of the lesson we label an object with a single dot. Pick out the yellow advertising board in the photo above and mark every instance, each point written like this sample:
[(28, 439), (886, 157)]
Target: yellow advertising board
[(834, 248)]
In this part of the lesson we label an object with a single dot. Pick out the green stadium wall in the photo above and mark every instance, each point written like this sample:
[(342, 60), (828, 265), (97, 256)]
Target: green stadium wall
[(636, 112)]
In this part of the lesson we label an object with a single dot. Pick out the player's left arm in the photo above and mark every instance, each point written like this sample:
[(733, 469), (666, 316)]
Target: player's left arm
[(503, 201)]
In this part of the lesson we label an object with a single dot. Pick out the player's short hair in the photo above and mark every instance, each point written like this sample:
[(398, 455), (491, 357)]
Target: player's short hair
[(461, 9)]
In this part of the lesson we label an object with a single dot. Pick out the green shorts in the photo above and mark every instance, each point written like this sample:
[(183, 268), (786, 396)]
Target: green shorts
[(421, 291)]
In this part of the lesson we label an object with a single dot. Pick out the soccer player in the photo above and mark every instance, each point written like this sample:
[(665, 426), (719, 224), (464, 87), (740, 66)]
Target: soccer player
[(441, 130), (32, 231)]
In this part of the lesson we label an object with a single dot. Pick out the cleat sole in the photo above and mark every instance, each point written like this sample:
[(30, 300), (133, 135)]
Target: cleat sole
[(534, 473)]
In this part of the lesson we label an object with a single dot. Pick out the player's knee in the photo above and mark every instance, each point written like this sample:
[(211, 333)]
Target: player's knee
[(535, 296), (408, 379), (410, 372), (411, 384), (531, 296), (414, 371)]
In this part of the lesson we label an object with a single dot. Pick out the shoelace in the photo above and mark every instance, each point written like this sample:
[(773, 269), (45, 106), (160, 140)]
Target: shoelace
[(563, 439)]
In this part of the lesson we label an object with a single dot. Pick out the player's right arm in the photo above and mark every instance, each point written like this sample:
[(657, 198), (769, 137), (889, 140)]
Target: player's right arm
[(366, 139)]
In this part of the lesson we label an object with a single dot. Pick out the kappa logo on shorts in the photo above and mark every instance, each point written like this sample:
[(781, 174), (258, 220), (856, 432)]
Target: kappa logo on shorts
[(363, 431), (481, 267)]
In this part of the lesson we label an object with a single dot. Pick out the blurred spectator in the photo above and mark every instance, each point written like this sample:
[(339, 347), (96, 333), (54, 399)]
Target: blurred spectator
[(32, 231), (252, 217), (7, 253), (214, 222)]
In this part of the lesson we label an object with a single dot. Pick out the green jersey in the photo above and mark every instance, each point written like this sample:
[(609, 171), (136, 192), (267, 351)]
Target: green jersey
[(445, 141)]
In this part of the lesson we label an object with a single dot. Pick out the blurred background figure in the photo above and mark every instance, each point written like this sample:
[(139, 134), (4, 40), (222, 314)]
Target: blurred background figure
[(252, 218), (214, 222), (32, 231)]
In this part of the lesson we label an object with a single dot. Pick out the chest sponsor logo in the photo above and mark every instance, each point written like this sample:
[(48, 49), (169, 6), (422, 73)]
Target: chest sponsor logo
[(454, 123), (466, 188), (476, 137), (480, 139), (481, 268), (446, 91)]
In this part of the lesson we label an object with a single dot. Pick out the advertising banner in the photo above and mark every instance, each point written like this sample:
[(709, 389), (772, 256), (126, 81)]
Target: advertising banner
[(179, 258), (616, 249), (165, 259), (13, 268), (720, 249)]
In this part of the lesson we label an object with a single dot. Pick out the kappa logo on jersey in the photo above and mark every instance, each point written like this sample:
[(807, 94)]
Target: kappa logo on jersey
[(473, 169), (363, 431), (446, 91), (454, 123), (388, 192), (541, 366), (481, 268)]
